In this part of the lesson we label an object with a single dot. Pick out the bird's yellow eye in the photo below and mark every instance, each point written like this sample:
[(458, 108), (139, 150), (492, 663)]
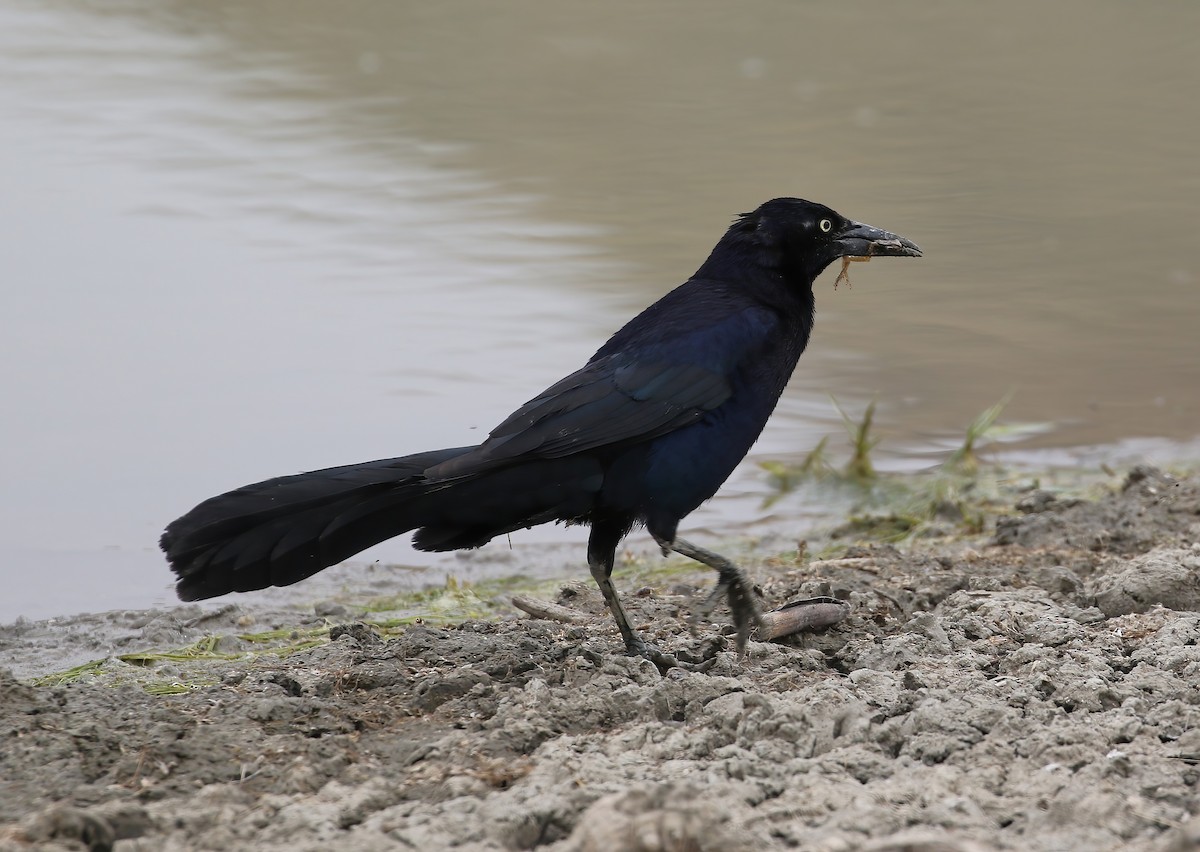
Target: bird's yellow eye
[(826, 226)]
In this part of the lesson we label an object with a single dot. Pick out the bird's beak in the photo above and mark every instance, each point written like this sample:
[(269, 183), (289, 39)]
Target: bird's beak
[(859, 240)]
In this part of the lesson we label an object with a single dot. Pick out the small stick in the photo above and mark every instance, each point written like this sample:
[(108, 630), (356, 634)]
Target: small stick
[(798, 616), (547, 610)]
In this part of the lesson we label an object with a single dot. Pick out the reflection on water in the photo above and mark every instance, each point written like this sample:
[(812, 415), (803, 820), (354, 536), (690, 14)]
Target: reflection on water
[(246, 238)]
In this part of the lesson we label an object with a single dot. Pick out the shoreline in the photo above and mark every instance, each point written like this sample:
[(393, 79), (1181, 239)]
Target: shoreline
[(1034, 685)]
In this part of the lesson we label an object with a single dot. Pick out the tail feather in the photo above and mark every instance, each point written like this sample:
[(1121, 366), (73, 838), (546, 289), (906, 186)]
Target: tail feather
[(223, 516), (280, 531)]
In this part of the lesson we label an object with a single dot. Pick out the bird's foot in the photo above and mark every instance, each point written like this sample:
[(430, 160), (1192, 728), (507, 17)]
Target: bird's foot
[(737, 590), (664, 661), (732, 585), (661, 659)]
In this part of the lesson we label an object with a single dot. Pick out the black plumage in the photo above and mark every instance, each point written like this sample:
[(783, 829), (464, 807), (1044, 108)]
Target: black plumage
[(643, 433)]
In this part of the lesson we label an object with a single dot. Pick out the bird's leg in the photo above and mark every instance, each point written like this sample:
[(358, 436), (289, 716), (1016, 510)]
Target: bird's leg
[(600, 562), (732, 585), (601, 574)]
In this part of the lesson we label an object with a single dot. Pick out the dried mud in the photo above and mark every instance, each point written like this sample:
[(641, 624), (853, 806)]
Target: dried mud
[(1036, 688)]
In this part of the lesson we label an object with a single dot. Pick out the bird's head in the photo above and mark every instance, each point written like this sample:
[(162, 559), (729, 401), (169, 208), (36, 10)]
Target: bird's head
[(801, 237)]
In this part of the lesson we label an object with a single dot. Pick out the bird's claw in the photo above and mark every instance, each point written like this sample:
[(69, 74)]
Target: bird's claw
[(661, 659), (664, 661), (743, 606)]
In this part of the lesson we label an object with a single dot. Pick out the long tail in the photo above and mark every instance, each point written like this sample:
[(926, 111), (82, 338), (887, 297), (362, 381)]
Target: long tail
[(278, 532)]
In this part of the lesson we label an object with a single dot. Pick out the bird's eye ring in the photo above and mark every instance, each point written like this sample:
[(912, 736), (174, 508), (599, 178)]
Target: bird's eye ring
[(826, 226)]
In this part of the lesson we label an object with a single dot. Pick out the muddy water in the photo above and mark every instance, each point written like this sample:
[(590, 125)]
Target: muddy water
[(242, 239)]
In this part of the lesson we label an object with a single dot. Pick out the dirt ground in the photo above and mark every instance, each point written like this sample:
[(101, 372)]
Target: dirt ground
[(1036, 687)]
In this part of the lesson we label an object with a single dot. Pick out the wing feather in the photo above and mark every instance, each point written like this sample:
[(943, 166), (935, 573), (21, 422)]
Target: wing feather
[(623, 397), (605, 403)]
